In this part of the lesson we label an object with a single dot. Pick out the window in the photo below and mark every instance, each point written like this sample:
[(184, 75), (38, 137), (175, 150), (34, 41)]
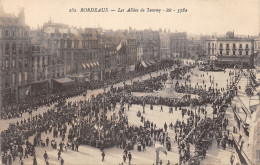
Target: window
[(43, 61), (14, 48), (6, 64), (69, 42), (220, 52), (6, 33), (240, 52), (221, 45), (26, 49), (20, 49), (227, 52), (25, 62), (25, 77), (13, 33), (32, 61), (62, 44), (234, 52), (234, 46), (227, 46), (240, 46), (20, 63), (69, 55), (7, 49), (83, 44), (38, 62), (13, 64), (20, 78), (246, 46), (75, 44), (13, 79), (246, 52)]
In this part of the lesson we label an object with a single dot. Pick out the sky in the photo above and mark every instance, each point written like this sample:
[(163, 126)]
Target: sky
[(202, 16)]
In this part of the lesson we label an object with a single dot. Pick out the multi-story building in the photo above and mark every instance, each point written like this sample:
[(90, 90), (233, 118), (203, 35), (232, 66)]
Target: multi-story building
[(178, 44), (195, 48), (231, 50), (15, 57), (42, 69), (165, 44), (147, 39)]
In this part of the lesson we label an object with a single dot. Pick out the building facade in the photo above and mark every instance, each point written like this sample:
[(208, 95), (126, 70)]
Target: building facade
[(231, 50), (42, 69), (15, 57), (178, 44)]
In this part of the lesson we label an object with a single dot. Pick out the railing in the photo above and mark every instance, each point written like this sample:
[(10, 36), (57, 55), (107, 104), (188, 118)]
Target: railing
[(241, 154), (244, 108)]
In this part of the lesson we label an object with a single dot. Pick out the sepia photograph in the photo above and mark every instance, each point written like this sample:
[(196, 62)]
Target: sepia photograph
[(130, 82)]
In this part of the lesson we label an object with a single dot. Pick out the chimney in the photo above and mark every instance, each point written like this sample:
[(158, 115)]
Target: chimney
[(21, 16)]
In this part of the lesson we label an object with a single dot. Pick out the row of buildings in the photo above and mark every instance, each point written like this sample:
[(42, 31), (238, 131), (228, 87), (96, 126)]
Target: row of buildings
[(32, 58)]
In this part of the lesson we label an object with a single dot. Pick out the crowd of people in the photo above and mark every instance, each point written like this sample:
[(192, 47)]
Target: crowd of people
[(46, 97), (80, 122)]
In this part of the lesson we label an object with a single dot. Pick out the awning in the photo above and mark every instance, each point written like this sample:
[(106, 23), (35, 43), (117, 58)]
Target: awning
[(234, 59), (148, 63), (84, 66), (91, 64), (88, 65), (152, 62), (144, 64), (65, 81), (95, 64), (98, 63), (76, 76)]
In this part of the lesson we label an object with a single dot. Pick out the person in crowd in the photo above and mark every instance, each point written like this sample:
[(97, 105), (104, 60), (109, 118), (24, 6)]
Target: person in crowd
[(103, 156)]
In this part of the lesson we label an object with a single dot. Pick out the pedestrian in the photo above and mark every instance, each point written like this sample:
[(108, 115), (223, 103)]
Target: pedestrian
[(77, 146), (124, 158), (232, 158), (59, 153), (144, 146), (129, 157), (218, 141), (61, 162), (168, 163), (21, 162), (103, 156), (45, 156), (34, 160), (125, 151), (47, 141), (204, 152), (165, 127), (25, 153), (161, 109)]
